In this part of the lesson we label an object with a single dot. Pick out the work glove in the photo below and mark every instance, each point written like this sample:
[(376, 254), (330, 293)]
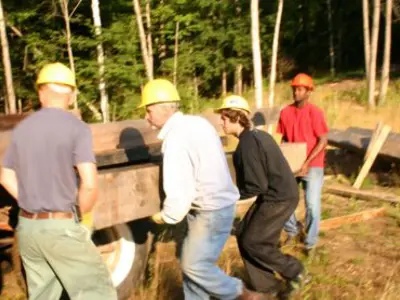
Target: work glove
[(87, 222), (157, 218)]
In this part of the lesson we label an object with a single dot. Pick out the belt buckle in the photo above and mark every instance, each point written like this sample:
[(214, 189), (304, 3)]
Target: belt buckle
[(50, 214)]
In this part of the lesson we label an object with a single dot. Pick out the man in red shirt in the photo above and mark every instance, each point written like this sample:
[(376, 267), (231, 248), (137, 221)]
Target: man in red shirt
[(304, 122)]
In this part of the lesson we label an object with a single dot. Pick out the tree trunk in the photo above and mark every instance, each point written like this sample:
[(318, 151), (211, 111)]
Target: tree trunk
[(143, 41), (257, 68), (374, 48), (194, 105), (149, 40), (162, 48), (275, 45), (10, 104), (239, 67), (95, 112), (367, 42), (100, 60), (176, 50), (386, 55), (224, 84), (64, 9), (331, 45), (239, 79)]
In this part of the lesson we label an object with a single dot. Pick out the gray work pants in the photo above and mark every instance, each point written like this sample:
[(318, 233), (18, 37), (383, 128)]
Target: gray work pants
[(59, 253)]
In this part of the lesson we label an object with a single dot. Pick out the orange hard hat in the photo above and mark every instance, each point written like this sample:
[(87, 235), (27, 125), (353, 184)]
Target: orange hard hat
[(302, 79)]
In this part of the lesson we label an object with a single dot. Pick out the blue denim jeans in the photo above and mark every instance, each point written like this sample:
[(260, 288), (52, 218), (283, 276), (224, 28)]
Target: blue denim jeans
[(312, 186), (207, 234)]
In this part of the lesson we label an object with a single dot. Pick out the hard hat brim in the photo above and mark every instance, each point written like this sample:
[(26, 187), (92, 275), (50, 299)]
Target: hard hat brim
[(303, 85), (218, 110), (142, 105)]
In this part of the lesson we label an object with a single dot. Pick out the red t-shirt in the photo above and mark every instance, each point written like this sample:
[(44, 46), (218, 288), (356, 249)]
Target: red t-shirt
[(304, 125)]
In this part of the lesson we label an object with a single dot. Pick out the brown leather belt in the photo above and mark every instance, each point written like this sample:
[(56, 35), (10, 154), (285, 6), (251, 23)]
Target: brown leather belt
[(47, 215)]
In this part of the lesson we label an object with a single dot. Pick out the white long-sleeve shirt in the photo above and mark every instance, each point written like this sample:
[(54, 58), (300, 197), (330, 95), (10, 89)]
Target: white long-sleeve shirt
[(195, 170)]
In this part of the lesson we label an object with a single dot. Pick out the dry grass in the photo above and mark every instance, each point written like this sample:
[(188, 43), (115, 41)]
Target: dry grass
[(344, 104)]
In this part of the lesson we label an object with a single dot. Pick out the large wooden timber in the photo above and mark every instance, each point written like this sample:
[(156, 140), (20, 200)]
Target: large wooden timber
[(134, 192), (128, 154), (132, 134), (357, 139), (127, 194)]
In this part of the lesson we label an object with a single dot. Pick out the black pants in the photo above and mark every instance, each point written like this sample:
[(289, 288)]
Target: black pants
[(258, 237)]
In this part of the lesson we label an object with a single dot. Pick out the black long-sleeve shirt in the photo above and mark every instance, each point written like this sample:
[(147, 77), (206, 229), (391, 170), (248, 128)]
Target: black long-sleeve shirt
[(261, 169)]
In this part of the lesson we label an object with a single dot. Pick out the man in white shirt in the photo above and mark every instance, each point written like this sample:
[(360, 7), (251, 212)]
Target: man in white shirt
[(198, 185)]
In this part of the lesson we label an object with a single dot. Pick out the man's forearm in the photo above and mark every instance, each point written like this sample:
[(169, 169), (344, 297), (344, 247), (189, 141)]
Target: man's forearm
[(11, 189), (321, 145), (87, 198), (8, 180)]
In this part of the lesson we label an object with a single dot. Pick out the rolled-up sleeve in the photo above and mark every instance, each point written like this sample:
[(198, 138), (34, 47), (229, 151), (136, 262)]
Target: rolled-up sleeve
[(178, 181)]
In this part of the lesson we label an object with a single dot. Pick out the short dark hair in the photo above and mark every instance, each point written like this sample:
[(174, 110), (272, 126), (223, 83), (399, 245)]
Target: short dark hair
[(237, 116)]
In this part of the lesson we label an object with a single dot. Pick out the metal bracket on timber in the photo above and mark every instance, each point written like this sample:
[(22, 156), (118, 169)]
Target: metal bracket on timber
[(345, 191)]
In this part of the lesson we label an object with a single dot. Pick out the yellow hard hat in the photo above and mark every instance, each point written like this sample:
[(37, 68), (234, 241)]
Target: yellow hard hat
[(234, 102), (159, 91), (56, 73)]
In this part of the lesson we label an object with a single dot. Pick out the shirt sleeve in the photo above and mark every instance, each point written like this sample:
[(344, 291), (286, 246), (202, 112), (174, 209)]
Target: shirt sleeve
[(319, 125), (83, 149), (280, 128), (253, 176), (178, 181), (9, 159)]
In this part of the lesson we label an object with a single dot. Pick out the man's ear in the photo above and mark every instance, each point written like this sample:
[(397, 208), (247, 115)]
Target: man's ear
[(71, 98), (41, 98)]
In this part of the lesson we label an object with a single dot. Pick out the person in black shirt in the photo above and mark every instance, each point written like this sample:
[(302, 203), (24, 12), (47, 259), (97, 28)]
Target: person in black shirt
[(262, 171)]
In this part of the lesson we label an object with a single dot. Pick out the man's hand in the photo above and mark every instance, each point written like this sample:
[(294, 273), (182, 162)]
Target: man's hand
[(157, 218), (303, 171), (87, 221)]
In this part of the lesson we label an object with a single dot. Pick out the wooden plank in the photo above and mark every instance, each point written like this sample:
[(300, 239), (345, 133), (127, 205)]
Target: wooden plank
[(345, 191), (357, 139), (365, 215), (242, 206), (295, 154), (375, 148), (375, 134)]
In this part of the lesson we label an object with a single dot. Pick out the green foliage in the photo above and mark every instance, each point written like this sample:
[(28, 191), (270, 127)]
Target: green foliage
[(214, 37)]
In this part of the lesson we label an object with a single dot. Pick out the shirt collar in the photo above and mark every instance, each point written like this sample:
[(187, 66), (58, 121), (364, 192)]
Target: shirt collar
[(243, 133), (169, 125), (306, 105)]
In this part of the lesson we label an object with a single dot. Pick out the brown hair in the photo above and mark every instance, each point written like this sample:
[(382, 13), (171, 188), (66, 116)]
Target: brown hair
[(237, 116)]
